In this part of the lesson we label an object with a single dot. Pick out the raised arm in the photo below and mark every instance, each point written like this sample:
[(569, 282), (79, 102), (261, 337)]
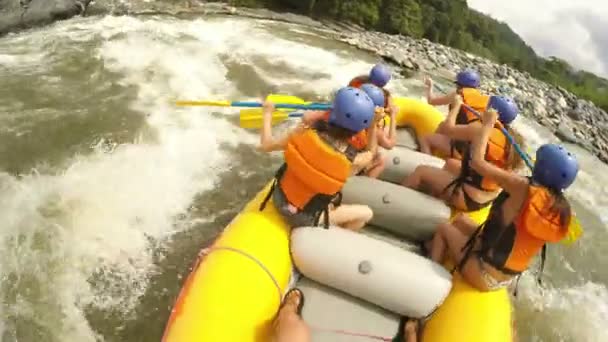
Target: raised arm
[(440, 100), (459, 132), (508, 180), (389, 141), (364, 158), (312, 116), (267, 142)]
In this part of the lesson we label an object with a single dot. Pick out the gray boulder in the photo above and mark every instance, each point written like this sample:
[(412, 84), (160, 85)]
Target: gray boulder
[(21, 14)]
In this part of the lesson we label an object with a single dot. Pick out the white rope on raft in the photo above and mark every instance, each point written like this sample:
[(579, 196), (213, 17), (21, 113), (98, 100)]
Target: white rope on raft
[(254, 259)]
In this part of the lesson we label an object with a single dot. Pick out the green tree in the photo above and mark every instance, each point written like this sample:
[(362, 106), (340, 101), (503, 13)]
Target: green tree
[(402, 16)]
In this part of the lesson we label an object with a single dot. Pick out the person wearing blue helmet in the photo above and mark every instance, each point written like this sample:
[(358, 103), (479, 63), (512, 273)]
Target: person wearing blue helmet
[(379, 76), (386, 135), (318, 160), (528, 214), (467, 84), (457, 183)]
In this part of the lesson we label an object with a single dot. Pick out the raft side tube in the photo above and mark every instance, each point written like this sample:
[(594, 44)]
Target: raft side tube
[(378, 272)]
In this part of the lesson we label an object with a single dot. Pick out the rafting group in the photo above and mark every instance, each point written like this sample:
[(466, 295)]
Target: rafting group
[(481, 168)]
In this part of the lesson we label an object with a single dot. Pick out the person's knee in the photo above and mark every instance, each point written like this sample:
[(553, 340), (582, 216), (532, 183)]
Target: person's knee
[(367, 213), (443, 227)]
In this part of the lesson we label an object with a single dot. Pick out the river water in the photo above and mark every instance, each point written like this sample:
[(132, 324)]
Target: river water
[(107, 192)]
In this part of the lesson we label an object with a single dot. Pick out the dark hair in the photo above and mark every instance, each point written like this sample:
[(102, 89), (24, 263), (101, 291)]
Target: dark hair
[(339, 133), (514, 160), (559, 206)]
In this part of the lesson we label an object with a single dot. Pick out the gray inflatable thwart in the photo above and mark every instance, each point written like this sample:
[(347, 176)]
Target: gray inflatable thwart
[(400, 210), (331, 309), (375, 271), (401, 162)]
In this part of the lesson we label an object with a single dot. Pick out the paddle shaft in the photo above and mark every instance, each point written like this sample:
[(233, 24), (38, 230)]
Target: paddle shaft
[(312, 106), (521, 153)]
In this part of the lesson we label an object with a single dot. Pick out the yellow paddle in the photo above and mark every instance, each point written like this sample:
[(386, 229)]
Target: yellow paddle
[(252, 117)]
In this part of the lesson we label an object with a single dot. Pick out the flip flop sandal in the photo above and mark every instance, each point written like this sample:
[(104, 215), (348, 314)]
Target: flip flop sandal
[(300, 304)]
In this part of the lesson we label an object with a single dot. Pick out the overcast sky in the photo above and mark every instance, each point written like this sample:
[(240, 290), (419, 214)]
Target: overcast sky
[(574, 30)]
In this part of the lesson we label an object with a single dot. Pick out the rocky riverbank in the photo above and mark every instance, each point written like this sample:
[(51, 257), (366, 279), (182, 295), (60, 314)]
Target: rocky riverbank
[(21, 14), (572, 119)]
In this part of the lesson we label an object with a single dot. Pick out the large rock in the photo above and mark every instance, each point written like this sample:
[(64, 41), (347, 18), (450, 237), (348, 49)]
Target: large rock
[(20, 14)]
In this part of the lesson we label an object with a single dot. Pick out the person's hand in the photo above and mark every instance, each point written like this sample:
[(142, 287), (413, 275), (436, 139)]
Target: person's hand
[(457, 101), (379, 114), (428, 82), (268, 108), (489, 117)]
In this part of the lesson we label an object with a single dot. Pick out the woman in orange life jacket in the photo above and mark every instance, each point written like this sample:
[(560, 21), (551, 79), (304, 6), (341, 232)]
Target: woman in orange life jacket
[(530, 212), (463, 188), (467, 82), (386, 136), (318, 161)]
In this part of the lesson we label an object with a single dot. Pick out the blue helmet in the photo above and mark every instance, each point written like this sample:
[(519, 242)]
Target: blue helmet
[(352, 110), (374, 93), (555, 167), (380, 75), (506, 108), (468, 78)]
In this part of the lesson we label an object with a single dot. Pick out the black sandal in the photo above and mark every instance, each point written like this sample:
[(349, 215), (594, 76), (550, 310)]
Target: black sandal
[(300, 304)]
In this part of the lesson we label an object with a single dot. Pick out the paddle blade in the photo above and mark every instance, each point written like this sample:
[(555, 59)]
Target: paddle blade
[(575, 231), (252, 118), (279, 98)]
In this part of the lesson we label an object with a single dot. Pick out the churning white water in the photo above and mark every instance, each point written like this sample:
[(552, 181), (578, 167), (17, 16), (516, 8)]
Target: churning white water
[(85, 231)]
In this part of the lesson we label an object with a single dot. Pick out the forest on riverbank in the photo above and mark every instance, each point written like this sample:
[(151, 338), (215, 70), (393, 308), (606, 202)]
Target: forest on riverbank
[(452, 23)]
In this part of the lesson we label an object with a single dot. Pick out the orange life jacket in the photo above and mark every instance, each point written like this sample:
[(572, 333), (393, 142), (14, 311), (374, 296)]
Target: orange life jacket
[(358, 141), (476, 100), (497, 153), (510, 249), (313, 174), (358, 81)]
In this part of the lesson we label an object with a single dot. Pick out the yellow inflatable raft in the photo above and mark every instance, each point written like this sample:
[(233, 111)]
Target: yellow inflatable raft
[(234, 292)]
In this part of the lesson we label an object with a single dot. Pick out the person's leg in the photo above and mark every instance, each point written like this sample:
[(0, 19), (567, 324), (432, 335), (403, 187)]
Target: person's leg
[(438, 142), (377, 166), (450, 239), (452, 165), (465, 224), (289, 326), (435, 179), (350, 216)]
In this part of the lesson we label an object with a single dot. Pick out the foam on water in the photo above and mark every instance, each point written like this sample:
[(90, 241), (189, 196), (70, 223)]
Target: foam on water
[(86, 235), (104, 217)]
